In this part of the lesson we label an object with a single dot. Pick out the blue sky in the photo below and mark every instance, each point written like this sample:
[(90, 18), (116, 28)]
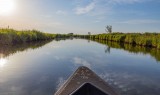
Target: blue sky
[(83, 16)]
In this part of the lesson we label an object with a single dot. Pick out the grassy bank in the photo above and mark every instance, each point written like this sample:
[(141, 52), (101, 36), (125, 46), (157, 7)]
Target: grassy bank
[(10, 36), (145, 39)]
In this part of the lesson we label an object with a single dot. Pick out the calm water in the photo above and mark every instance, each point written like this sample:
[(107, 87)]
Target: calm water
[(39, 69)]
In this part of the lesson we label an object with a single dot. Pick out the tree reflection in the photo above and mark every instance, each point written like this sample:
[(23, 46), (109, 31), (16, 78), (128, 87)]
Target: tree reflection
[(89, 40), (131, 48), (107, 49)]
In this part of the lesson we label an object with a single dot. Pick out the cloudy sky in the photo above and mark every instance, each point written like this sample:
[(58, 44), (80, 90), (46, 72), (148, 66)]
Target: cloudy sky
[(83, 16)]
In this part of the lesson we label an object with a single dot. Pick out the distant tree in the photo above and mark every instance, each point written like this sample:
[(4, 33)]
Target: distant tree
[(108, 29), (89, 33)]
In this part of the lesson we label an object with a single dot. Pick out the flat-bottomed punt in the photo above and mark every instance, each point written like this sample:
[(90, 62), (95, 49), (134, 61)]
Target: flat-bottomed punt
[(85, 82)]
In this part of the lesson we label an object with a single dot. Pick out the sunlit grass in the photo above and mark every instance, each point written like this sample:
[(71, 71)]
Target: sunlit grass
[(10, 36), (141, 39)]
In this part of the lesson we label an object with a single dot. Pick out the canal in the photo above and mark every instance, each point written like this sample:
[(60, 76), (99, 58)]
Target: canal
[(41, 68)]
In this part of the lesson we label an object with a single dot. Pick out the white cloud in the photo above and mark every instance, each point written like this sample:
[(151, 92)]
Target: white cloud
[(60, 12), (96, 8), (127, 1), (46, 16), (86, 9), (141, 21), (99, 18), (49, 24), (96, 21), (55, 24)]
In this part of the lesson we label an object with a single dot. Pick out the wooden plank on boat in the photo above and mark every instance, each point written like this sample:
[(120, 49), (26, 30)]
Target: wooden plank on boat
[(84, 78)]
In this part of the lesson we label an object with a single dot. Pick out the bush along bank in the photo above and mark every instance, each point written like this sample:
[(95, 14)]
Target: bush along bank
[(145, 39), (11, 36)]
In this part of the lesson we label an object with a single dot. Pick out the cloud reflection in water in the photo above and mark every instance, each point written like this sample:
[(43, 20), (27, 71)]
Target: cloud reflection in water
[(130, 84), (80, 61), (60, 82)]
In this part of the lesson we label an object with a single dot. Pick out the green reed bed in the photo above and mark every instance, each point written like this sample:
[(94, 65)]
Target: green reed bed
[(145, 39), (10, 36)]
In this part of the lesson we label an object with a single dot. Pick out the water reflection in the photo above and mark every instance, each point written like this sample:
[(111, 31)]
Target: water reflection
[(81, 62), (43, 70), (132, 84), (107, 49), (131, 48), (60, 82), (7, 50), (3, 61)]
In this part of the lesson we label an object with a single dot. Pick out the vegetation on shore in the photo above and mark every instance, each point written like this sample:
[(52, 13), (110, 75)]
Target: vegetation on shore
[(145, 39), (134, 42), (11, 36)]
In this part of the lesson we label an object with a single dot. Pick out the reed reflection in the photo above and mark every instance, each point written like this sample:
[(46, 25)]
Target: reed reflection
[(131, 48), (7, 50)]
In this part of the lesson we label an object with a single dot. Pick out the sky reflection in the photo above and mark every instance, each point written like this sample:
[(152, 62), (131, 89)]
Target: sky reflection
[(3, 62), (42, 71)]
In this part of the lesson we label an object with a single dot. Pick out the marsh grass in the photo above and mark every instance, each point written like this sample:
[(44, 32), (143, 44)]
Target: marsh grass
[(145, 39), (11, 36)]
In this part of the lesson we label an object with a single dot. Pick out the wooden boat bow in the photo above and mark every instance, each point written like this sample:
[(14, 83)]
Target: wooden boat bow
[(85, 81)]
